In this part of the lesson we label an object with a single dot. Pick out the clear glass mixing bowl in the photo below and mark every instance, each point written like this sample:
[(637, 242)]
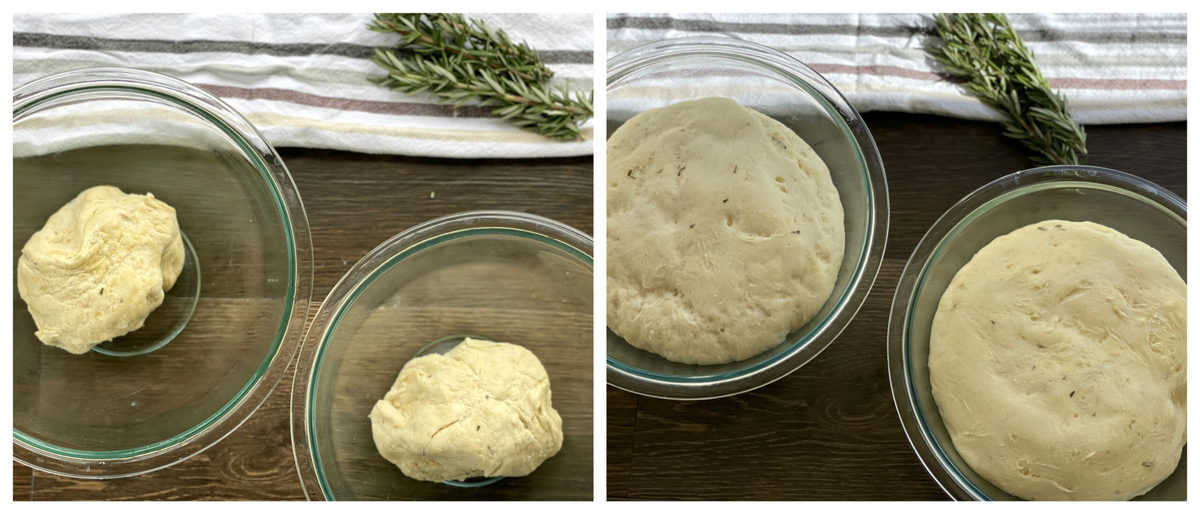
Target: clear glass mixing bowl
[(503, 276), (775, 84), (210, 355), (1131, 205)]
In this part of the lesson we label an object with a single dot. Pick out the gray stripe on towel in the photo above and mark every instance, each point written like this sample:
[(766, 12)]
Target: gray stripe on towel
[(1039, 35), (65, 42)]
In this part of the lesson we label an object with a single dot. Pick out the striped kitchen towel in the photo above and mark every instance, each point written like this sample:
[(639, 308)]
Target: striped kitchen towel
[(302, 79), (1113, 68)]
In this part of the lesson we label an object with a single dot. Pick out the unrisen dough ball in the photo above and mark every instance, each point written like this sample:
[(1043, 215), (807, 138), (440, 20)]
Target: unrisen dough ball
[(725, 232), (1058, 361), (480, 410), (99, 266)]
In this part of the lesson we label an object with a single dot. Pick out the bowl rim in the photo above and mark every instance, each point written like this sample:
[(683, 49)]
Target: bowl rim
[(929, 452), (807, 346), (258, 151), (361, 275)]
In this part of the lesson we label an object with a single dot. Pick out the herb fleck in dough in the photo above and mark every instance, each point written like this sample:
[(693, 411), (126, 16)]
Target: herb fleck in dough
[(725, 232), (1058, 362), (480, 410), (99, 266)]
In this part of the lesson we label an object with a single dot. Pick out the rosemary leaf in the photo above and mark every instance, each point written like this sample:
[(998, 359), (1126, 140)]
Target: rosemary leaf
[(984, 51), (460, 60)]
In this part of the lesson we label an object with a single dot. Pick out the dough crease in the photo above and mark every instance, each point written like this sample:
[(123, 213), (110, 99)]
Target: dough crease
[(483, 409)]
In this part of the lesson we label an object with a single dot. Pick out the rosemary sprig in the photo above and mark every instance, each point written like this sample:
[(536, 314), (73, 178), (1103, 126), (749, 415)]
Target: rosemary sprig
[(984, 51), (454, 34), (460, 61)]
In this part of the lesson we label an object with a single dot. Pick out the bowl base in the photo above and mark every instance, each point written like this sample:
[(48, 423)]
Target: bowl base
[(169, 319), (443, 345), (473, 482)]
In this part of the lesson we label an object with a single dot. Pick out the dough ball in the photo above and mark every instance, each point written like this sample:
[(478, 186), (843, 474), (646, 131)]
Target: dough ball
[(725, 232), (99, 266), (1057, 358), (480, 410)]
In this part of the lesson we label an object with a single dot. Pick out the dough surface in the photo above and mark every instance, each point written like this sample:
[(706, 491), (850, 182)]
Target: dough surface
[(480, 410), (1058, 362), (99, 266), (725, 232)]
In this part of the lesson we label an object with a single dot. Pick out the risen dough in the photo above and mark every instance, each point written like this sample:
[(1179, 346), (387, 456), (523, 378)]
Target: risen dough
[(480, 410), (1057, 358), (724, 232), (99, 266)]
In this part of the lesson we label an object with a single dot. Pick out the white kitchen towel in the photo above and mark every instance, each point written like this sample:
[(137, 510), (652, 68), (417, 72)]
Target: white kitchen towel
[(302, 79), (1113, 68)]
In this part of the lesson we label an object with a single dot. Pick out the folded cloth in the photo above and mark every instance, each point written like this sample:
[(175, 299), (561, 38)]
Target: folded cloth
[(1113, 68), (302, 79)]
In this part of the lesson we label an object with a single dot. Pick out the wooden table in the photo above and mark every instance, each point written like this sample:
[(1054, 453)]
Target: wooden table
[(354, 202), (830, 431)]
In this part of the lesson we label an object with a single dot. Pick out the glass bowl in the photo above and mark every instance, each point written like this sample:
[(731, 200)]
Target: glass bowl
[(775, 84), (214, 350), (503, 276), (1131, 205)]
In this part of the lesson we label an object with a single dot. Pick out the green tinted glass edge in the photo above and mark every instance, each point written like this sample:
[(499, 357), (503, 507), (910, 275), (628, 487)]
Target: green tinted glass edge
[(804, 340), (247, 150), (941, 454), (920, 283), (365, 283)]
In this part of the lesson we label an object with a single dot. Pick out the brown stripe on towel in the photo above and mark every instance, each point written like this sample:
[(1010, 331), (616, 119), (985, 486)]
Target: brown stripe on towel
[(881, 70), (1118, 84), (878, 70), (1058, 82), (347, 104)]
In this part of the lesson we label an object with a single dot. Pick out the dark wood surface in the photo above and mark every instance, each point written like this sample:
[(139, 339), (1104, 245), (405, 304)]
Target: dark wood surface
[(830, 431), (354, 202)]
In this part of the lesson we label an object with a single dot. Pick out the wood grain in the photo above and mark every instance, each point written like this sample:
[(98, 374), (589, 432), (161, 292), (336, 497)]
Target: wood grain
[(830, 431), (354, 202)]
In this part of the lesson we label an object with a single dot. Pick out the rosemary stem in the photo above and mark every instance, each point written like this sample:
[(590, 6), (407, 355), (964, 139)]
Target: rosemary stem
[(460, 60), (985, 52)]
